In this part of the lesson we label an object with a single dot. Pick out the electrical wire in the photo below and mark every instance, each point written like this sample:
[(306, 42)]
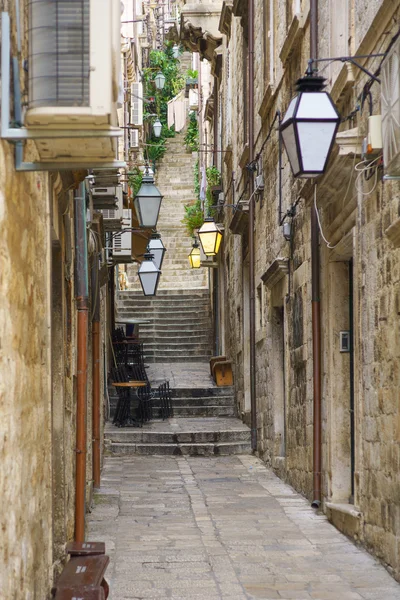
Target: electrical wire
[(363, 170), (327, 242)]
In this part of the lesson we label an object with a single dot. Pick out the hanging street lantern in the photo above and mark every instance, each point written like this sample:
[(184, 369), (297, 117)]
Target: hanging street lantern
[(194, 256), (309, 128), (147, 202), (175, 51), (159, 80), (157, 127), (157, 249), (210, 237), (149, 275)]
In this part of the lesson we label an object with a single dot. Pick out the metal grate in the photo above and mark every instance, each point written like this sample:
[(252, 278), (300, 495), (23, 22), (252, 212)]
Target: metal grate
[(59, 67)]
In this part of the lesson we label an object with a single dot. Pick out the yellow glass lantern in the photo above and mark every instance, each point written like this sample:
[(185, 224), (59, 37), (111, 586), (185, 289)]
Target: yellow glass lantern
[(210, 237), (194, 256)]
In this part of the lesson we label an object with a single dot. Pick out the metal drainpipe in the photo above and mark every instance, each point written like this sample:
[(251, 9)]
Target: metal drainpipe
[(82, 304), (253, 398), (96, 373), (316, 304)]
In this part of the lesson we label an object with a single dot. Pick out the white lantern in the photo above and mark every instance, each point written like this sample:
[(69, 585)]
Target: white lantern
[(147, 202), (175, 51), (157, 127), (157, 249), (149, 275), (159, 80), (210, 237), (309, 128)]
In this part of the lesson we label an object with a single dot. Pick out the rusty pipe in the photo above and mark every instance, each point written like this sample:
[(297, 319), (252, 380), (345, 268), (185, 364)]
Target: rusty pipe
[(96, 403), (316, 305), (82, 304), (95, 373), (253, 397)]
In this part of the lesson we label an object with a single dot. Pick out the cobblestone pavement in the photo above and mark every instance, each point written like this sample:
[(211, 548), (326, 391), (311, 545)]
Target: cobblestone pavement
[(222, 528), (181, 375)]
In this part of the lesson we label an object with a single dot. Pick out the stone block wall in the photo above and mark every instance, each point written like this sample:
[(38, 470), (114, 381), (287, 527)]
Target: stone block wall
[(362, 227)]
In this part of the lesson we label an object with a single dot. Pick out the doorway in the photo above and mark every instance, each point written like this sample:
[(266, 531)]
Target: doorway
[(341, 382)]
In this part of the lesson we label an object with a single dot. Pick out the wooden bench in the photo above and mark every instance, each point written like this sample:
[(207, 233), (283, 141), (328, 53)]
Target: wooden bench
[(221, 371), (83, 575)]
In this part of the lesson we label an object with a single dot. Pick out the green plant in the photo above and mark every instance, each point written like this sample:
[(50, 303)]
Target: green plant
[(213, 177), (164, 61), (192, 135), (194, 217), (192, 74), (135, 180), (155, 149)]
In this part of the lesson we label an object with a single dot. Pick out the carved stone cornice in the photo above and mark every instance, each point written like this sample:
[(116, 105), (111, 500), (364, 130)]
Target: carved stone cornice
[(225, 21), (240, 220), (293, 37), (267, 101), (349, 142), (344, 82), (199, 28), (393, 233), (277, 271)]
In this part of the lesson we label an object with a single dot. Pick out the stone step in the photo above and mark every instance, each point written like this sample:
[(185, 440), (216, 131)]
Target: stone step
[(127, 293), (177, 352), (219, 449), (178, 359), (204, 411), (133, 435), (218, 401), (205, 392)]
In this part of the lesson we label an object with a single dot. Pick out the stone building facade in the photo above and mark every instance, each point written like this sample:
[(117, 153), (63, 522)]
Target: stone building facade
[(39, 338), (358, 253)]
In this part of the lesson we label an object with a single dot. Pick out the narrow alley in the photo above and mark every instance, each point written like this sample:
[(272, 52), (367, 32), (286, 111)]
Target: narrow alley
[(200, 300), (192, 528)]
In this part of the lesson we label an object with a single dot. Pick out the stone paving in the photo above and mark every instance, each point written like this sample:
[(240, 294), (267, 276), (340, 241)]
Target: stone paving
[(222, 528)]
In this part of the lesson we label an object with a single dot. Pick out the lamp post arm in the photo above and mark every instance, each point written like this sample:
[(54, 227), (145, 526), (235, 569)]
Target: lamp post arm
[(344, 59)]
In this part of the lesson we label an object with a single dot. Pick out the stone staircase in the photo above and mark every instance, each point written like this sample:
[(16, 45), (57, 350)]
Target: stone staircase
[(194, 437), (178, 339), (175, 180), (179, 328)]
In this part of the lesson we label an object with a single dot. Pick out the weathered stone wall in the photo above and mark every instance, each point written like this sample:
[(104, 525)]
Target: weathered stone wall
[(358, 220), (25, 393)]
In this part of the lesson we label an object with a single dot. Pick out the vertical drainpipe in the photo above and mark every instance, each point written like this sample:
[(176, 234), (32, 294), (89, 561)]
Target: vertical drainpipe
[(316, 304), (96, 373), (253, 398), (82, 305)]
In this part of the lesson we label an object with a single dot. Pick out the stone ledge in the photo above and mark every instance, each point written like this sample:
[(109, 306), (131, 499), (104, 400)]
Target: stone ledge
[(393, 233), (278, 269), (345, 517)]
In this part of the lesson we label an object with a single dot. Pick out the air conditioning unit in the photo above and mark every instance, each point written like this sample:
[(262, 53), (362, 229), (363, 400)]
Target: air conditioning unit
[(122, 242), (390, 101), (134, 139), (74, 63), (137, 104), (109, 193), (112, 217)]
